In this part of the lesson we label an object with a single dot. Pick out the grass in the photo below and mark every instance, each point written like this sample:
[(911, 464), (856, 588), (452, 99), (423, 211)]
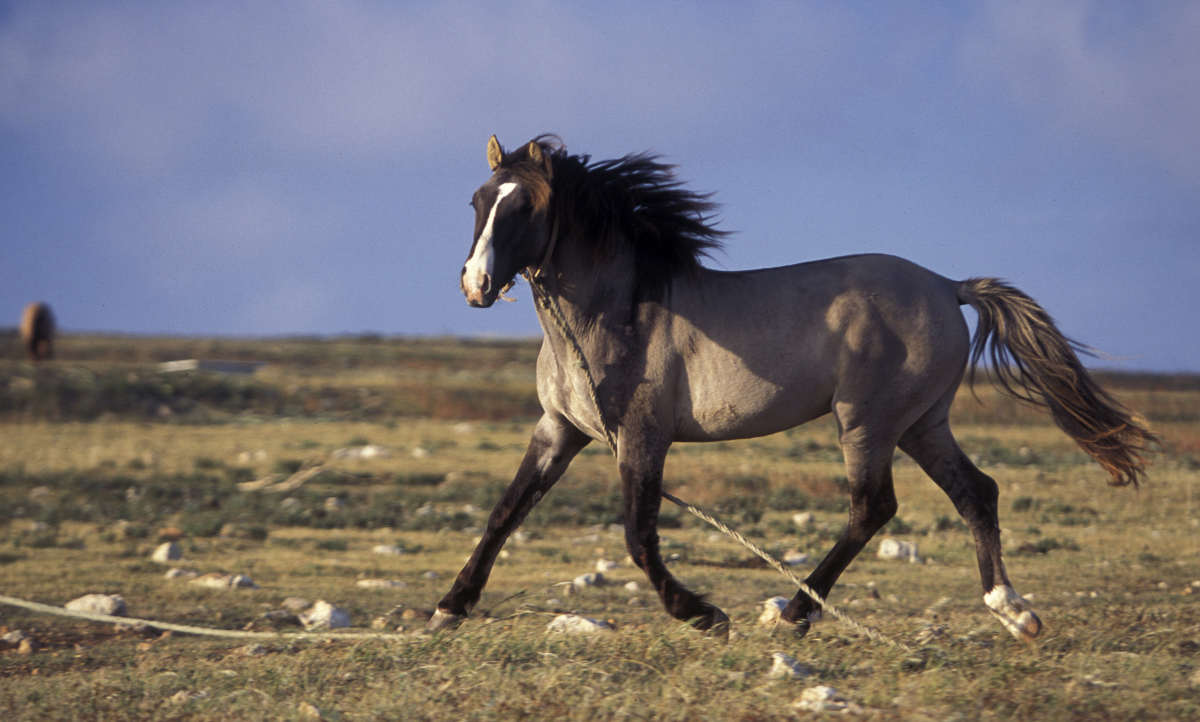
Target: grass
[(85, 496)]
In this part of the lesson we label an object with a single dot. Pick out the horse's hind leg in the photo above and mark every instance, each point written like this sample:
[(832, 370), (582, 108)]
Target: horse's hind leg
[(975, 496), (641, 465), (872, 504), (554, 444)]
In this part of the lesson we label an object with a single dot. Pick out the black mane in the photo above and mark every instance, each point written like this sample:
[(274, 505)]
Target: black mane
[(630, 204)]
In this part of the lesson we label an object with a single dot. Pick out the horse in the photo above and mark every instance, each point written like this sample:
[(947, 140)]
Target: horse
[(37, 331), (644, 345)]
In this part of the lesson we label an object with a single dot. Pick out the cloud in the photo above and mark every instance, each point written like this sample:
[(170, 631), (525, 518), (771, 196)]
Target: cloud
[(1123, 73)]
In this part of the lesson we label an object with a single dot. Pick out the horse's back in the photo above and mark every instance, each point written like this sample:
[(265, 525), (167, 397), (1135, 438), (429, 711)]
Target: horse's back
[(768, 349)]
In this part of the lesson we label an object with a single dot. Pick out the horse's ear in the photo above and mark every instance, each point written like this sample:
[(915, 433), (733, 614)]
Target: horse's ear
[(494, 153), (535, 153)]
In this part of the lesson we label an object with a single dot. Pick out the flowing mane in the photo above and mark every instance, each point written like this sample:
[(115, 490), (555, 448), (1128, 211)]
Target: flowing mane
[(630, 204)]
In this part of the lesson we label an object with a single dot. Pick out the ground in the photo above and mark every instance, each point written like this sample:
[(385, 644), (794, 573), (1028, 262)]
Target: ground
[(103, 455)]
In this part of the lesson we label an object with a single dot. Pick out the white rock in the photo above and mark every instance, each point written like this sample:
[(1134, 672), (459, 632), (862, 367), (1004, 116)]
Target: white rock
[(216, 580), (786, 667), (795, 557), (366, 451), (772, 608), (583, 581), (387, 549), (14, 638), (110, 604), (897, 549), (420, 452), (289, 503), (576, 624), (824, 699), (323, 615), (632, 587), (803, 519), (379, 584), (334, 504), (179, 573), (605, 565), (167, 552)]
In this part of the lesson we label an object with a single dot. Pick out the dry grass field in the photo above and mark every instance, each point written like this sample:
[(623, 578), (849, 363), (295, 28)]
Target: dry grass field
[(102, 453)]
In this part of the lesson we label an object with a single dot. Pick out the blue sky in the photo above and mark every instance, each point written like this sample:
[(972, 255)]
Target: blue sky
[(304, 167)]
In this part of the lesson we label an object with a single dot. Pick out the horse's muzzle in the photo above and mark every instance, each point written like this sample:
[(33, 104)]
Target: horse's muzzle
[(478, 289)]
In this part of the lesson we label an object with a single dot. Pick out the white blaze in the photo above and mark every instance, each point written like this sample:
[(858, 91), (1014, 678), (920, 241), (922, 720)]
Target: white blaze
[(481, 266)]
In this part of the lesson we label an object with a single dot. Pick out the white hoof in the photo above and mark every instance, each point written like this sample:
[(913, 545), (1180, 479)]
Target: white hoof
[(1013, 612), (442, 619)]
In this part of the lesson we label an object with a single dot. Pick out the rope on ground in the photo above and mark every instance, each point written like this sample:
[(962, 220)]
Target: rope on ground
[(548, 302), (189, 629)]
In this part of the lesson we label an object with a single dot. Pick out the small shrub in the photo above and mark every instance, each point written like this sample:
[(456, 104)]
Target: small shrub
[(287, 466)]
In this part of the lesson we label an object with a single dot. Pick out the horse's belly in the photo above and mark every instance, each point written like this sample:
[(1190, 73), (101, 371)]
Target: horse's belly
[(739, 409)]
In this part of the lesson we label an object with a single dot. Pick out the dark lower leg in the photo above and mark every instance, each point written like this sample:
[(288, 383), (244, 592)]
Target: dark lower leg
[(872, 504), (642, 494), (545, 460)]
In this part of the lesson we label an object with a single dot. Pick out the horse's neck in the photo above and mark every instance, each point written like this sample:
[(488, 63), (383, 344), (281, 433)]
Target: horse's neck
[(595, 300)]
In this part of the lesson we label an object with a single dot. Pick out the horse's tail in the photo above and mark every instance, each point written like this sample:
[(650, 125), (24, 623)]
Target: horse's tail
[(1032, 360)]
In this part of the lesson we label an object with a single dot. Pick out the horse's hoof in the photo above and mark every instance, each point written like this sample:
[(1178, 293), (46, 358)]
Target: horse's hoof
[(801, 626), (443, 620), (713, 622), (1014, 613)]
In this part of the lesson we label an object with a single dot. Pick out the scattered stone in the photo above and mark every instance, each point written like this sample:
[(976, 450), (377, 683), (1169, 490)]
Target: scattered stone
[(27, 646), (583, 581), (323, 615), (786, 667), (334, 504), (296, 604), (308, 710), (420, 452), (216, 580), (379, 584), (772, 609), (463, 427), (803, 519), (606, 565), (290, 504), (416, 615), (111, 604), (252, 457), (794, 558), (825, 699), (632, 587), (387, 549), (430, 575), (576, 624), (183, 696), (899, 550), (367, 451), (13, 638), (167, 552)]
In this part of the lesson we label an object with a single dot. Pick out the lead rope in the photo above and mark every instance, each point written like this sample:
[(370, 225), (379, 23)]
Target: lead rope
[(548, 302)]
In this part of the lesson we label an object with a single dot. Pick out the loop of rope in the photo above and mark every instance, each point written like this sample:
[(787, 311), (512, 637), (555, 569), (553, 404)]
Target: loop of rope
[(549, 303)]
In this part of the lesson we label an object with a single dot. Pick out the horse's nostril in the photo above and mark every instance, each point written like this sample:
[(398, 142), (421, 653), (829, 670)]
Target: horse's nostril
[(487, 283)]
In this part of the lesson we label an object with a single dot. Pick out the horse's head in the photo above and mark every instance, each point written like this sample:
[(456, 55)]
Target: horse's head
[(511, 225)]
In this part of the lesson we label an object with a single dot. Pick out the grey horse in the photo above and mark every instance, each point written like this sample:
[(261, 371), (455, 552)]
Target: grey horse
[(680, 352)]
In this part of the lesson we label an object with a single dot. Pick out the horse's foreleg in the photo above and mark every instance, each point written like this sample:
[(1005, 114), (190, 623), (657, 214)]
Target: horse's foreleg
[(975, 496), (872, 504), (641, 463), (554, 444)]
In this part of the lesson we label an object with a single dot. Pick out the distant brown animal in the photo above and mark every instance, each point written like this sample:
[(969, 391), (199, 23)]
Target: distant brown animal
[(37, 331)]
